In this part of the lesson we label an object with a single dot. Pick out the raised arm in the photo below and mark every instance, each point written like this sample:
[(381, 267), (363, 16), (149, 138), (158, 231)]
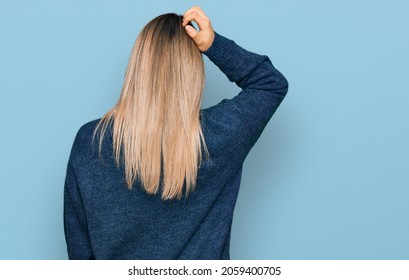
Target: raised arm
[(238, 121), (223, 51)]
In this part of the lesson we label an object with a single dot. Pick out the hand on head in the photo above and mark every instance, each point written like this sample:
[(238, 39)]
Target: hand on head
[(205, 36)]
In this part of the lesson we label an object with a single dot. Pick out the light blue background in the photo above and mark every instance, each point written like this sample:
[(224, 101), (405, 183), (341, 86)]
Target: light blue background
[(329, 177)]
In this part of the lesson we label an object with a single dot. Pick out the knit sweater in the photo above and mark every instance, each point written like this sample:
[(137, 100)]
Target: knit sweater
[(103, 219)]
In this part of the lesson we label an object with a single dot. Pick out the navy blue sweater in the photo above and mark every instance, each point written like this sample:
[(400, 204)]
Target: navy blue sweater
[(105, 220)]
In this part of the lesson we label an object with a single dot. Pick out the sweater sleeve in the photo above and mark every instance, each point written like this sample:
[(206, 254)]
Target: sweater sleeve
[(75, 223), (237, 123)]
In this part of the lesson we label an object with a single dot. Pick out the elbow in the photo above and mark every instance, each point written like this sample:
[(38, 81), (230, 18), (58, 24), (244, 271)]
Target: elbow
[(284, 84), (279, 86)]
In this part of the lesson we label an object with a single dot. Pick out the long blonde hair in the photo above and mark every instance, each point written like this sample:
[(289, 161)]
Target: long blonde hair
[(155, 124)]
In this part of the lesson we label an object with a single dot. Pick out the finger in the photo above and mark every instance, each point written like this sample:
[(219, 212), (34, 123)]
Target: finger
[(193, 14), (185, 21), (200, 12), (194, 8), (190, 16)]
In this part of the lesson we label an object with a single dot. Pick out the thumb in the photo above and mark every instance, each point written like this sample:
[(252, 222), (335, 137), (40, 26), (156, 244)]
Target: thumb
[(191, 31)]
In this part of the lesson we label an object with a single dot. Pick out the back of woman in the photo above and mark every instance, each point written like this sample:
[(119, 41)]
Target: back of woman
[(157, 177)]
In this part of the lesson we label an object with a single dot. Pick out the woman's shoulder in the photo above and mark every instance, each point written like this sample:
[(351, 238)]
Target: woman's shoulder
[(84, 136), (87, 129)]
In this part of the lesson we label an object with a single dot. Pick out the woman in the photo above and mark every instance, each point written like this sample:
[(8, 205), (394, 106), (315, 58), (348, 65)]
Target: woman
[(157, 177)]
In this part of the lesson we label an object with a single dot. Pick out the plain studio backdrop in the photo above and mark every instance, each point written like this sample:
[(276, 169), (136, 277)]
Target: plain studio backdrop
[(329, 177)]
